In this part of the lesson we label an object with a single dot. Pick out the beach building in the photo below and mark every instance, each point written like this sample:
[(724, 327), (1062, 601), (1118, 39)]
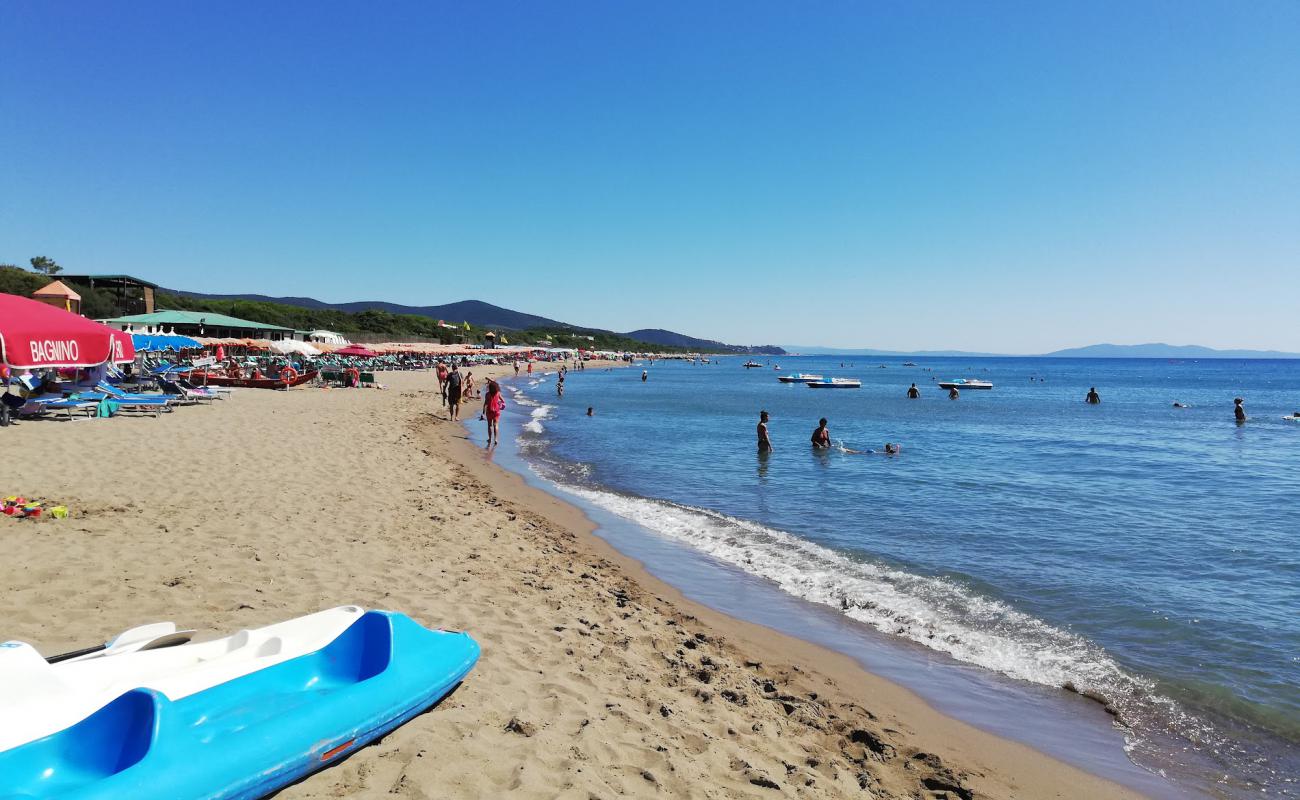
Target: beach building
[(134, 296), (57, 294), (325, 337), (200, 323)]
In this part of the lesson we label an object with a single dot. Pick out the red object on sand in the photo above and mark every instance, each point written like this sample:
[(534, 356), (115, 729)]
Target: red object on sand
[(35, 336), (356, 350)]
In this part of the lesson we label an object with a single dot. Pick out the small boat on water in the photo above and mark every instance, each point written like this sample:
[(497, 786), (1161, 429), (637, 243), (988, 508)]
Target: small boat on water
[(836, 383), (966, 383), (752, 364), (909, 363), (799, 377), (237, 718)]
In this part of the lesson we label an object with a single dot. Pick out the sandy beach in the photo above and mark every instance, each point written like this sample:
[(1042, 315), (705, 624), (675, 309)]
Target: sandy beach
[(596, 680)]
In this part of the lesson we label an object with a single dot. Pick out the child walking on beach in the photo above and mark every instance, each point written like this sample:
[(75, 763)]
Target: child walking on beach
[(493, 404)]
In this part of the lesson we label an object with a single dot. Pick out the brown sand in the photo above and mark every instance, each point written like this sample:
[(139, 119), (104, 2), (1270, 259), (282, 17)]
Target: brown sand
[(596, 679)]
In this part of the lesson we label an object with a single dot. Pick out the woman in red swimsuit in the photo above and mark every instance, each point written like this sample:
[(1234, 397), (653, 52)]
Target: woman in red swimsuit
[(493, 405)]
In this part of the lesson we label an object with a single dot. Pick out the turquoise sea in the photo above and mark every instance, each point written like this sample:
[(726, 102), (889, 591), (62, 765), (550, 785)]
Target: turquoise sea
[(1145, 555)]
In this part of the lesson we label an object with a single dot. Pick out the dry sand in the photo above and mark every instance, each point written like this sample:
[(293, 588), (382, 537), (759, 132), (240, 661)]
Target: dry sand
[(596, 680)]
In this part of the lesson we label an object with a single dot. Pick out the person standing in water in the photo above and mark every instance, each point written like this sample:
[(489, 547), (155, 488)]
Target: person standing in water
[(821, 438), (644, 375), (1238, 410), (913, 393), (493, 404), (953, 394), (764, 443), (1093, 399)]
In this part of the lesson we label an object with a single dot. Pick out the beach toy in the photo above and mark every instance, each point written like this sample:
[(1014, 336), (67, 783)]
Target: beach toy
[(10, 510), (238, 717), (32, 512), (59, 512)]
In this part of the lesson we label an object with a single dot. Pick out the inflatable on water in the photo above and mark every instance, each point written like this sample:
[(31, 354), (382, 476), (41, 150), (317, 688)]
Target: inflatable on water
[(234, 718)]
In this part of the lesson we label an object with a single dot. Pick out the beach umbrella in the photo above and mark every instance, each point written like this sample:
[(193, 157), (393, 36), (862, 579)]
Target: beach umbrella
[(356, 350), (35, 336)]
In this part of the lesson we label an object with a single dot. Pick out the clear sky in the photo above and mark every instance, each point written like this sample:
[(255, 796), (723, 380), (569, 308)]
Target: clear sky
[(1003, 176)]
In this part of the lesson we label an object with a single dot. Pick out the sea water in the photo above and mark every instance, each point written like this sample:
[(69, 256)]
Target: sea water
[(1142, 554)]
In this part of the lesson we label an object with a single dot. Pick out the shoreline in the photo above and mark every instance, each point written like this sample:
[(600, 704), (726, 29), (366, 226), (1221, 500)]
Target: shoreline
[(596, 679), (1038, 773)]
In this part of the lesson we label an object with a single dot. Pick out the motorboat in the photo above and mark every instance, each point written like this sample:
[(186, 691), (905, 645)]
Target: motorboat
[(752, 364), (836, 383), (909, 363), (799, 377), (970, 383)]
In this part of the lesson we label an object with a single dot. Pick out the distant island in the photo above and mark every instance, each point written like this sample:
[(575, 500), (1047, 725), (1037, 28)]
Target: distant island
[(1152, 350), (1162, 350)]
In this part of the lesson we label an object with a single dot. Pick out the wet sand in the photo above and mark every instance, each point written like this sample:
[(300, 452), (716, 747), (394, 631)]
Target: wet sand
[(596, 678)]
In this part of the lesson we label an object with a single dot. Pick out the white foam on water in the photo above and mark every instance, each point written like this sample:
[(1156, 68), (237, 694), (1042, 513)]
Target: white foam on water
[(533, 426), (938, 612), (542, 412)]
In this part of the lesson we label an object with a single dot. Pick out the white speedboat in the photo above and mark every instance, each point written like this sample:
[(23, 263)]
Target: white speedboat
[(836, 383), (966, 384), (799, 377)]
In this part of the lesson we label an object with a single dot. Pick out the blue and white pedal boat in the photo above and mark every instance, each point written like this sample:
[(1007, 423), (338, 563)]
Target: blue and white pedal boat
[(233, 718)]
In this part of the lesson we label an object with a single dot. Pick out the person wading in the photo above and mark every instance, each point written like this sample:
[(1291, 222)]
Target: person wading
[(493, 404), (764, 443), (821, 438)]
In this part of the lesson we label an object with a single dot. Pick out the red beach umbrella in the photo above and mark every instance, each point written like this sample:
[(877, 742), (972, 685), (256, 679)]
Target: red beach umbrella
[(35, 335), (356, 350)]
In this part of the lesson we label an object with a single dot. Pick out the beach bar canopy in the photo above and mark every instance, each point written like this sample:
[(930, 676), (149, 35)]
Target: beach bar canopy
[(356, 350), (34, 335)]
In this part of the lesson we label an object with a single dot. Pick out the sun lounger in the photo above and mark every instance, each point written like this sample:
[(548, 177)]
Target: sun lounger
[(40, 406), (173, 389), (155, 403)]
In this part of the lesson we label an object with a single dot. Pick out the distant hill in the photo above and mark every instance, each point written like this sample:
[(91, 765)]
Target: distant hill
[(486, 315), (669, 339), (476, 312), (1161, 350), (1154, 350)]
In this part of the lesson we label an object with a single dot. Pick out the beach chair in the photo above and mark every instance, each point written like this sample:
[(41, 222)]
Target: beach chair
[(152, 403), (367, 378), (37, 407), (183, 395), (215, 392)]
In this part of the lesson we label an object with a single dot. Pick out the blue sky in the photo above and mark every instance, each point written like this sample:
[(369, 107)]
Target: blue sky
[(1002, 176)]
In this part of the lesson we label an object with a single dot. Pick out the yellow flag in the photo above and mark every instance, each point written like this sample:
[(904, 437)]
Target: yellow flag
[(467, 325), (503, 339)]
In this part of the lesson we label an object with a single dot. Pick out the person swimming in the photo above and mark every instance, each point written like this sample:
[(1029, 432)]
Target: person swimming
[(591, 412), (821, 438), (953, 394), (1093, 399), (1180, 405), (913, 393)]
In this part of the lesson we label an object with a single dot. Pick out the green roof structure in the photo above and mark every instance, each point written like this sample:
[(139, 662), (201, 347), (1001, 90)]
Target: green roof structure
[(205, 318), (201, 323)]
